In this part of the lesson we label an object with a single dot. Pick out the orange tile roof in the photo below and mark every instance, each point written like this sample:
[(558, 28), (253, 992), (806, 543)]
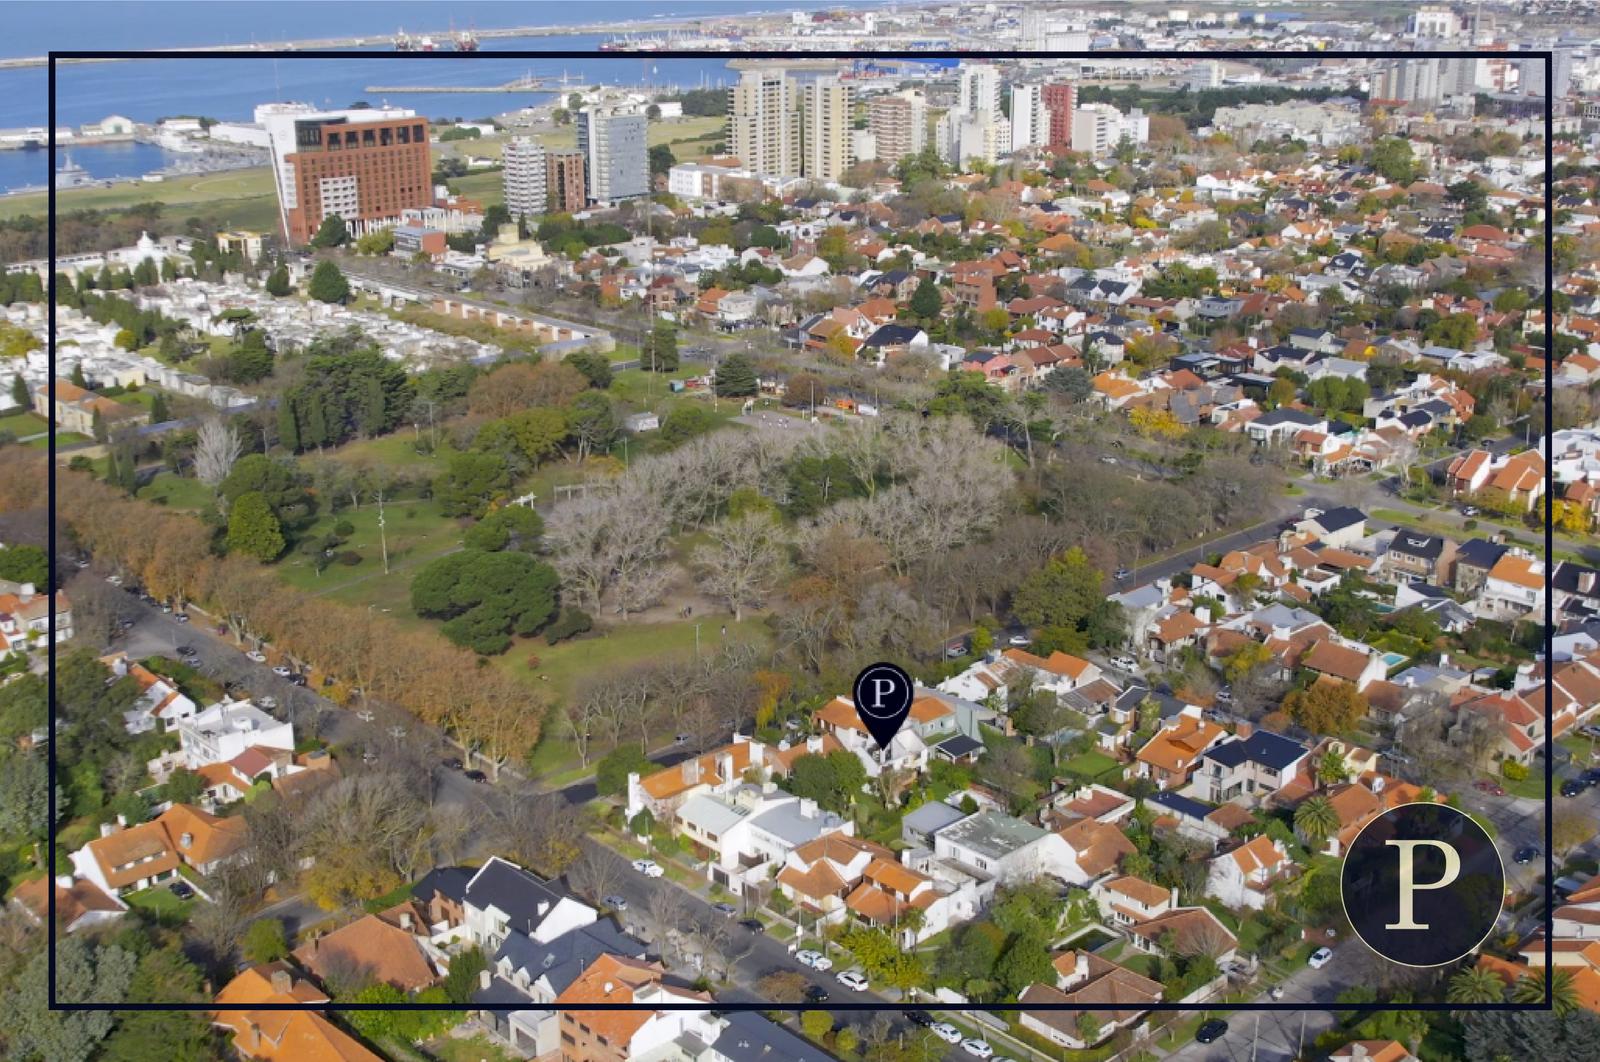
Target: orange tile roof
[(376, 944), (210, 837), (1145, 893), (1372, 1051), (129, 855), (1178, 746), (840, 713), (1258, 854), (1058, 663), (284, 1035), (71, 903), (1522, 571), (1100, 846), (672, 781), (1340, 661), (624, 978)]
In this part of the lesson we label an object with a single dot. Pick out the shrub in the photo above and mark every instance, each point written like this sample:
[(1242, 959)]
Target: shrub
[(1470, 525), (572, 622), (1513, 770), (349, 558), (344, 529)]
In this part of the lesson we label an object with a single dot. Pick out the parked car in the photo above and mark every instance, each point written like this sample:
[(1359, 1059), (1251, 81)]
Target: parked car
[(955, 651), (452, 763), (852, 980), (267, 701), (1276, 993), (1469, 510), (1019, 640), (977, 1048), (1210, 1032), (1573, 787), (297, 680), (753, 925), (816, 994), (1121, 573), (1492, 788), (1590, 777), (257, 655), (725, 908), (807, 957), (166, 607), (920, 1017), (282, 670), (476, 776), (616, 903), (1320, 958), (182, 890), (1124, 662), (182, 617), (1525, 855), (648, 867), (946, 1032)]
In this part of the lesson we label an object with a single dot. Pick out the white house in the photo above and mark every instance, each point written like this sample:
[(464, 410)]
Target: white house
[(751, 831), (228, 728), (1244, 876), (1001, 848)]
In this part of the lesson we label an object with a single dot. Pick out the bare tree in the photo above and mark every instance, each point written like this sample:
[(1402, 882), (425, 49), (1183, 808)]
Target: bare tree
[(743, 561), (595, 874), (216, 448)]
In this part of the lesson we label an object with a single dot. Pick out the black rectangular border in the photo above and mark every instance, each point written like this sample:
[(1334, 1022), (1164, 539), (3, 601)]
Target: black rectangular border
[(1548, 57)]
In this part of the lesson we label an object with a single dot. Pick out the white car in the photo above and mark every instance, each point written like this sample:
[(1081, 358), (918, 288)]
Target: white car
[(807, 957), (1124, 663), (822, 964), (257, 655), (946, 1032), (282, 670), (1020, 640), (853, 981), (1320, 958), (976, 1048), (648, 867)]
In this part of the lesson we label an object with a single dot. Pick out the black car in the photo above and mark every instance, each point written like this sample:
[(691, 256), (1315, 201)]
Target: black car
[(477, 776), (753, 925), (1591, 776), (920, 1017), (816, 994), (1525, 855), (182, 890), (298, 680), (186, 650), (1572, 787), (1211, 1031)]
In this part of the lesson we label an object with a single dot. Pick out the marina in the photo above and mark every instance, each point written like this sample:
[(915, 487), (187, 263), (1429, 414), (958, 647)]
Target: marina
[(521, 84)]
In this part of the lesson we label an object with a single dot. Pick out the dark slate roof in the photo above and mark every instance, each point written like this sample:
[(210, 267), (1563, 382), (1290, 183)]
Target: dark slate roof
[(513, 890), (567, 956), (502, 993), (1415, 419), (1479, 552), (749, 1037), (890, 334), (960, 745), (1411, 544), (1113, 287), (1566, 578), (1286, 416), (1342, 517), (451, 882), (1182, 805), (1263, 747)]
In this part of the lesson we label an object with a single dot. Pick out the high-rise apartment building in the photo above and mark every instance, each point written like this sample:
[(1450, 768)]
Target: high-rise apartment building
[(564, 181), (825, 106), (899, 124), (980, 89), (1060, 99), (764, 123), (1030, 122), (1409, 81), (362, 165), (526, 177), (1097, 128), (976, 127), (611, 138)]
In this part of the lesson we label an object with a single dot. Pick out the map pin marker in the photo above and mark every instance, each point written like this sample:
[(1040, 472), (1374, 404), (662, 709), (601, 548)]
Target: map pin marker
[(883, 695)]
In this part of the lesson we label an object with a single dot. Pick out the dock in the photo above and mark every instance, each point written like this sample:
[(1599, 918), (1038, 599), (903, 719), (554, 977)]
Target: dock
[(521, 84)]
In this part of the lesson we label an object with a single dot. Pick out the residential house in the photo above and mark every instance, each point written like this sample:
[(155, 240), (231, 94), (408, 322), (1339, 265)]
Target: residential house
[(1244, 876), (1513, 588), (226, 729), (998, 848), (818, 875), (1097, 847), (1340, 528), (1474, 560), (80, 903), (283, 1035), (1253, 765), (126, 859), (617, 1035), (25, 618), (502, 898), (1113, 995), (160, 705), (391, 946), (1357, 664), (1129, 900), (1191, 931), (718, 771), (1416, 557), (928, 721), (1175, 752), (1372, 1051), (750, 832)]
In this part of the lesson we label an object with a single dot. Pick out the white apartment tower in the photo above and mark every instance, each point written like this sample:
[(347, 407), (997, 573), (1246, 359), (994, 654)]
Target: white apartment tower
[(612, 140), (526, 181), (1030, 122), (898, 124), (764, 123), (825, 106)]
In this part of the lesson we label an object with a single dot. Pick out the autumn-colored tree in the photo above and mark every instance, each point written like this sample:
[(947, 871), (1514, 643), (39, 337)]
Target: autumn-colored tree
[(1327, 706)]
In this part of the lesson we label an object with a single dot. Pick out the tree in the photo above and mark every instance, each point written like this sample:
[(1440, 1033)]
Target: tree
[(925, 303), (1315, 820), (328, 283), (1392, 159), (1326, 707), (253, 528), (660, 353), (611, 774), (743, 562), (1025, 961), (1474, 985), (333, 232), (735, 377), (484, 598), (470, 480), (596, 368), (661, 159), (84, 974), (264, 941), (1332, 769), (25, 564), (1073, 383), (20, 395), (278, 284), (1534, 987), (163, 976), (376, 243), (217, 447), (816, 1024), (1061, 594)]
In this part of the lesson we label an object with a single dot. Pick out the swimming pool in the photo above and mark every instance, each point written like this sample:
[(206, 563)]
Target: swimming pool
[(1393, 660)]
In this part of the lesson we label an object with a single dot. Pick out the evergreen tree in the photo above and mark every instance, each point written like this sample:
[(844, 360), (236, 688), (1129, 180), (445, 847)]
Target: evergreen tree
[(77, 376), (67, 293), (99, 427), (735, 377), (253, 528), (19, 391), (331, 233), (328, 283), (370, 411), (169, 270), (661, 348), (158, 409), (288, 425), (144, 274), (925, 302), (316, 432), (278, 282)]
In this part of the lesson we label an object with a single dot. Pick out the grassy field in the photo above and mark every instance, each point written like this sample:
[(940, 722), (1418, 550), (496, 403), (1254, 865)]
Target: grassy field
[(240, 198), (24, 424), (176, 492)]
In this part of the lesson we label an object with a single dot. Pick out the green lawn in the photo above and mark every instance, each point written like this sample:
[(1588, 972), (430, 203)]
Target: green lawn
[(415, 532), (24, 424), (63, 438), (176, 492), (245, 198), (1092, 765), (162, 904)]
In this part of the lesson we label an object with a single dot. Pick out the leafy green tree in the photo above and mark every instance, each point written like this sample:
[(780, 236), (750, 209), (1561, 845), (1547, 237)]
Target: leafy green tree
[(328, 283), (661, 159), (85, 973), (486, 597), (1326, 707), (462, 980), (660, 353), (278, 282), (925, 303), (333, 232), (509, 525), (1061, 594), (264, 941), (735, 377), (1315, 820), (596, 368), (253, 528), (184, 786), (1025, 961), (685, 422), (816, 1024), (611, 774), (469, 482), (279, 481), (25, 564), (20, 395), (1475, 985), (163, 976)]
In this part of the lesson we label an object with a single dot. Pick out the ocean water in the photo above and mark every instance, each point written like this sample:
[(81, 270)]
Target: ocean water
[(121, 159)]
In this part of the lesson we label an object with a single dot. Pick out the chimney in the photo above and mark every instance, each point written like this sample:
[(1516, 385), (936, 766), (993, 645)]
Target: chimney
[(1174, 896), (808, 808), (186, 840), (485, 978), (281, 981), (1080, 966), (405, 919), (1203, 614), (1586, 582), (63, 881), (122, 820), (814, 744), (107, 829), (691, 772), (725, 766), (757, 753), (608, 987)]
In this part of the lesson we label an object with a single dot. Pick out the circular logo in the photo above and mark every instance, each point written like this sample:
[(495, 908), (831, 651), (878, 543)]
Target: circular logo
[(883, 691), (1422, 884)]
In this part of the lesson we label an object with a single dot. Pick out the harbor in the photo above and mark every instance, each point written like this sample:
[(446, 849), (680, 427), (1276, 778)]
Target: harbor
[(521, 84)]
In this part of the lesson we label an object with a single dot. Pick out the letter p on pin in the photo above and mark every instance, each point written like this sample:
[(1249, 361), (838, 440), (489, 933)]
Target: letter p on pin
[(881, 688), (1408, 884)]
